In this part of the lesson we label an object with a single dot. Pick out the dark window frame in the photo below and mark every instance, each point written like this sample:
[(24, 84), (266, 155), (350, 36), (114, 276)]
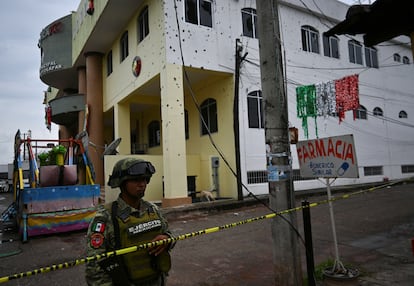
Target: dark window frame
[(373, 171), (143, 24), (109, 63), (123, 44), (361, 113), (406, 60), (255, 112), (402, 114), (209, 113), (377, 111), (331, 46), (154, 133), (310, 39), (249, 21), (199, 12), (397, 58), (355, 52), (371, 57), (186, 124), (407, 169)]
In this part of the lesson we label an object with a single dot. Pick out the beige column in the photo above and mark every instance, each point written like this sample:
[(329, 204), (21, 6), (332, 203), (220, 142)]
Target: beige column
[(81, 90), (173, 137), (122, 126), (94, 100)]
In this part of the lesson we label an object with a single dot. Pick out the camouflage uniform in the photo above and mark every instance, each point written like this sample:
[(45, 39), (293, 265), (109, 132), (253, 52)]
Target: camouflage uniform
[(101, 239)]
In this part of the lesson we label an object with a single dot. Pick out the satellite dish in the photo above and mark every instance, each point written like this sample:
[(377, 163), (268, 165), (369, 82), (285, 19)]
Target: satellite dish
[(111, 148)]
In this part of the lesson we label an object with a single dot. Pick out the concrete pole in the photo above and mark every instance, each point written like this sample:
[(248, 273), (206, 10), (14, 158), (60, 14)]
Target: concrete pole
[(286, 258), (94, 99)]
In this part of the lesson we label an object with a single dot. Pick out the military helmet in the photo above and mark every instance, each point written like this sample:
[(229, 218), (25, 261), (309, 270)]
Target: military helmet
[(130, 168)]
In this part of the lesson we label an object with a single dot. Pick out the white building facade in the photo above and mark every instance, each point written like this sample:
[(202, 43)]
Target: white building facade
[(163, 65)]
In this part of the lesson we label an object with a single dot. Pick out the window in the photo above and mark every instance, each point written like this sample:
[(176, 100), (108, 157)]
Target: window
[(373, 171), (406, 60), (361, 112), (402, 114), (331, 47), (407, 169), (208, 116), (143, 26), (257, 177), (109, 67), (397, 58), (310, 39), (187, 132), (377, 111), (249, 19), (154, 134), (355, 52), (124, 45), (198, 12), (371, 57), (255, 109)]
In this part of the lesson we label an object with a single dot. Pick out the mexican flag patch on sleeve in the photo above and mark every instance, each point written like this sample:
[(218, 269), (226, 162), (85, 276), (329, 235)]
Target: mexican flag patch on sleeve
[(98, 226)]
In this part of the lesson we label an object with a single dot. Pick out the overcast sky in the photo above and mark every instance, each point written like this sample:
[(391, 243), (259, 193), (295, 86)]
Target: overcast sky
[(21, 90)]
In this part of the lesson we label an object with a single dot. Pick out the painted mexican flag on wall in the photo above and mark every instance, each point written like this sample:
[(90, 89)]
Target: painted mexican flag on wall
[(331, 157)]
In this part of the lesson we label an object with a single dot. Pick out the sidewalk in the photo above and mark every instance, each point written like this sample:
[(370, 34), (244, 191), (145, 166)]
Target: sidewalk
[(374, 234)]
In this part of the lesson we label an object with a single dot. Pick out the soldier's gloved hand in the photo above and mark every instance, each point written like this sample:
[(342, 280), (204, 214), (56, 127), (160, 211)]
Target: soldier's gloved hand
[(156, 250)]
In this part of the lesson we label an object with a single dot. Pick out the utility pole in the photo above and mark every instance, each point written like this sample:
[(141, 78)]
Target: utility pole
[(286, 257)]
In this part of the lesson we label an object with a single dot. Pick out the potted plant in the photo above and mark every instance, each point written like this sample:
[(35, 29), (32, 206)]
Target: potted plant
[(58, 152)]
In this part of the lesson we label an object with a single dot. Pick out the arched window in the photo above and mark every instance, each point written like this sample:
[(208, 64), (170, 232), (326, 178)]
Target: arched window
[(143, 26), (154, 133), (249, 19), (361, 112), (402, 114), (310, 39), (208, 116), (397, 58), (331, 46), (377, 111), (406, 60), (255, 109)]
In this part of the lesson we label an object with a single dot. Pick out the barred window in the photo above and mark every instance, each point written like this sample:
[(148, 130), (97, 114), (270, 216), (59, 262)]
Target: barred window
[(373, 170), (257, 177), (407, 169)]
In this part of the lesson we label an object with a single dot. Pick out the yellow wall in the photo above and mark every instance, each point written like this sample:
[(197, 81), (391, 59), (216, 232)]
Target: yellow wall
[(154, 190), (122, 82), (222, 91)]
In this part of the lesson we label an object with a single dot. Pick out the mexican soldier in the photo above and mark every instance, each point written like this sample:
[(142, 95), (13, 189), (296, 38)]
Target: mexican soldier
[(129, 221)]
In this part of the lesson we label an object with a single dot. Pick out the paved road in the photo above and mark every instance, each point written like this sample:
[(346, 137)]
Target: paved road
[(374, 234)]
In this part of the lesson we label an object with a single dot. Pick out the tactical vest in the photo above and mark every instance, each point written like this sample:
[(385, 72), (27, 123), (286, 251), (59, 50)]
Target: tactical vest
[(134, 231)]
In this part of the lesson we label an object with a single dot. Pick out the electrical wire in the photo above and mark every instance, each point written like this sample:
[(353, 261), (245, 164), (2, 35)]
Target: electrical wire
[(222, 155)]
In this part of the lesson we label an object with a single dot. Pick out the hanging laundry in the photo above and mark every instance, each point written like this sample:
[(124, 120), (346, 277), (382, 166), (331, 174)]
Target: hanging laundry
[(306, 106), (325, 98), (347, 95)]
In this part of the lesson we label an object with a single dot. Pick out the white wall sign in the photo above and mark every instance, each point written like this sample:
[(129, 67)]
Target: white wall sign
[(332, 157)]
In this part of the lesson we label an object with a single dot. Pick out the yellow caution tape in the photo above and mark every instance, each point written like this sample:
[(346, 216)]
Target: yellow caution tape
[(184, 236)]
